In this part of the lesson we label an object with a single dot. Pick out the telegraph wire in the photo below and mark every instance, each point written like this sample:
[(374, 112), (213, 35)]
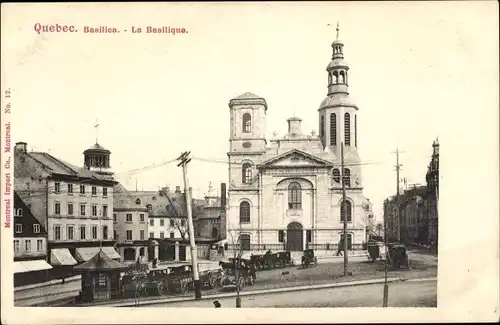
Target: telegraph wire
[(209, 160)]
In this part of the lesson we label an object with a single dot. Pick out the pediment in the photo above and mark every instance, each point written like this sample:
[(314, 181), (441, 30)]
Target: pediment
[(296, 158)]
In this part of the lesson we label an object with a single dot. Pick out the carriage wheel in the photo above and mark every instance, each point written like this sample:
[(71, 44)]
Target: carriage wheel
[(212, 281), (184, 287), (242, 283)]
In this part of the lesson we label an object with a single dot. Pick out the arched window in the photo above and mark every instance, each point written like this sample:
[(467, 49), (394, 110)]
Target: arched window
[(247, 123), (335, 77), (244, 212), (336, 175), (333, 129), (138, 201), (329, 78), (355, 130), (347, 129), (341, 77), (322, 127), (347, 177), (247, 173), (294, 196), (348, 210)]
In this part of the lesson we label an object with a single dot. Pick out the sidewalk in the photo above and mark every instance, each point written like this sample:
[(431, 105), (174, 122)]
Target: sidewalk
[(247, 293), (48, 290), (46, 284)]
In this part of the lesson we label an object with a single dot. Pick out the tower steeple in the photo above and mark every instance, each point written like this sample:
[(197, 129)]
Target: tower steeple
[(338, 68)]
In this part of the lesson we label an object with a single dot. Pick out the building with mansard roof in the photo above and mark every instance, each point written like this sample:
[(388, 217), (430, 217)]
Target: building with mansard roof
[(74, 204), (286, 193)]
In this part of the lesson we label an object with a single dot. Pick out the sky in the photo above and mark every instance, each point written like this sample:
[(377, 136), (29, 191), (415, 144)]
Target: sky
[(418, 71)]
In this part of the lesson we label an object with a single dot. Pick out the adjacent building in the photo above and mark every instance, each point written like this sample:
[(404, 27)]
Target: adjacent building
[(286, 193), (73, 203), (432, 178), (30, 246), (417, 219), (130, 219)]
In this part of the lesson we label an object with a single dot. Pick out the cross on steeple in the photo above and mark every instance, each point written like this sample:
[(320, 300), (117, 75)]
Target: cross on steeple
[(96, 127), (338, 30)]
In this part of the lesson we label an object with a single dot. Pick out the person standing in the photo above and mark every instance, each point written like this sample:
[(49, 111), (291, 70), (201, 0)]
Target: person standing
[(340, 247)]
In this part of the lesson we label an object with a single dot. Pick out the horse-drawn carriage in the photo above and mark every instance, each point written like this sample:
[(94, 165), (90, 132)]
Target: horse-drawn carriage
[(181, 280), (397, 256), (238, 272), (308, 258), (376, 250), (284, 259)]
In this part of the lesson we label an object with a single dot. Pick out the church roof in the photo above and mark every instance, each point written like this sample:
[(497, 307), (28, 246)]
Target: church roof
[(338, 99), (97, 147), (337, 62), (297, 152), (248, 98), (248, 95), (99, 262)]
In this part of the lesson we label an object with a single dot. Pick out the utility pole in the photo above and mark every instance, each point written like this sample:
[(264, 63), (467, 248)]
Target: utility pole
[(386, 285), (398, 168), (185, 159), (343, 209)]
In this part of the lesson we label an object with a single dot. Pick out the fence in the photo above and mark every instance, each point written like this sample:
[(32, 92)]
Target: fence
[(282, 246)]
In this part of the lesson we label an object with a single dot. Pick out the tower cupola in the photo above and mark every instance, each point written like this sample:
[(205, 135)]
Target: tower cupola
[(337, 69)]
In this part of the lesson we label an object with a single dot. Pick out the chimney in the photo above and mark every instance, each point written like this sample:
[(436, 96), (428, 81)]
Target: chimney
[(223, 195), (294, 125), (20, 147), (177, 190)]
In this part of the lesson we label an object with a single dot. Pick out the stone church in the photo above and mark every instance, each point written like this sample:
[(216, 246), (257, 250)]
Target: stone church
[(286, 193)]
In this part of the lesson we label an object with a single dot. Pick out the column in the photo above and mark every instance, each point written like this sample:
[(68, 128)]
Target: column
[(284, 240), (136, 254), (156, 251), (177, 250), (304, 239)]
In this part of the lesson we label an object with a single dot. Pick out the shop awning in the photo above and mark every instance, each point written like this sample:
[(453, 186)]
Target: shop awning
[(61, 256), (111, 253), (31, 266), (83, 254)]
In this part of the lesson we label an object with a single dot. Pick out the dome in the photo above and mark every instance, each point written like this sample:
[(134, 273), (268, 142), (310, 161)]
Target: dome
[(339, 99), (337, 62), (97, 148)]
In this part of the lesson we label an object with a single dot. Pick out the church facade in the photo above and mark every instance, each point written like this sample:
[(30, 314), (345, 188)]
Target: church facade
[(286, 193)]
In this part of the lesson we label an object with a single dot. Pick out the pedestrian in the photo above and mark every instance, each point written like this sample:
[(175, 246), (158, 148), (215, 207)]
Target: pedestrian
[(217, 304), (340, 247)]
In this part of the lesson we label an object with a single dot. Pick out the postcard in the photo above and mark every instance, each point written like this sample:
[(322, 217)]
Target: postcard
[(249, 156)]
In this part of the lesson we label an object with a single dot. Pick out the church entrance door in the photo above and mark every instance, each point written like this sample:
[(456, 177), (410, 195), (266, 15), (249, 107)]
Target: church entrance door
[(294, 237)]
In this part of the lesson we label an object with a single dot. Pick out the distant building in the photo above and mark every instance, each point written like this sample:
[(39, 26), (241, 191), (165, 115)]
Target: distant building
[(211, 222), (417, 220), (168, 232), (74, 204), (30, 246)]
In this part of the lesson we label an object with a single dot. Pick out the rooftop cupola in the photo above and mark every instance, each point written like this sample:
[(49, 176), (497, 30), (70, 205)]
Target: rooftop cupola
[(337, 69)]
